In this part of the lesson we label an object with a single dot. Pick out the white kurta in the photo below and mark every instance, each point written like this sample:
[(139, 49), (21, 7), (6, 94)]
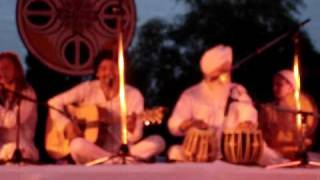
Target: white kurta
[(202, 102), (8, 128), (91, 93)]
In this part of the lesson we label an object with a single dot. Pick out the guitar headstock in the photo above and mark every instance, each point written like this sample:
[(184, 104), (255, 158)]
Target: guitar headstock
[(153, 116)]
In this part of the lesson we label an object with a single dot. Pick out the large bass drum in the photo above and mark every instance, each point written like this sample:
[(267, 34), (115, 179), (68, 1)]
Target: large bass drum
[(279, 125)]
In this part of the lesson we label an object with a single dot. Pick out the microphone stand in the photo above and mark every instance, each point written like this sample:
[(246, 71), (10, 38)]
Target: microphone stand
[(17, 157), (303, 158), (124, 152), (269, 45)]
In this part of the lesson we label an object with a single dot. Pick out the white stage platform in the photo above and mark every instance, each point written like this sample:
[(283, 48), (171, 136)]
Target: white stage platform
[(182, 171)]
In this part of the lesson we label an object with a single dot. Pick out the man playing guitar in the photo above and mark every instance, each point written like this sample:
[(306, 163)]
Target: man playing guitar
[(102, 93)]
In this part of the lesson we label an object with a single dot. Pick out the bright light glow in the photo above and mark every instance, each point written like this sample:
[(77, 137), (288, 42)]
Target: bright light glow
[(297, 88), (123, 105)]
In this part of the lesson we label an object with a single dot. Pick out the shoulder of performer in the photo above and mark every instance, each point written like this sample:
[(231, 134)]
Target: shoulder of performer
[(86, 86), (29, 92), (239, 92), (79, 90), (193, 90), (133, 91)]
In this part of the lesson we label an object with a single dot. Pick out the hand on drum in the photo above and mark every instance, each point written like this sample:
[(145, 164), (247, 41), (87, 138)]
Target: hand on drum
[(186, 125), (132, 121), (246, 125), (72, 131)]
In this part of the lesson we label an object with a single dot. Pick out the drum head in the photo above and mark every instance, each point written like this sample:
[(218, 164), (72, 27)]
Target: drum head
[(279, 125)]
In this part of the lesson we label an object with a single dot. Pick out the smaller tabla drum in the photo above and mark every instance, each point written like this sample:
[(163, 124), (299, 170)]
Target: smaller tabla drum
[(242, 146), (200, 145)]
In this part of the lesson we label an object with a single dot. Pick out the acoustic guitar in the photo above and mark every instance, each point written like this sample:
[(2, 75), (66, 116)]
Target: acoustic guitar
[(89, 117)]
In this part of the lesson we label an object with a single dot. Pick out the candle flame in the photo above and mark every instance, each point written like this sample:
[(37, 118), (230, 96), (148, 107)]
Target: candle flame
[(123, 107), (297, 90)]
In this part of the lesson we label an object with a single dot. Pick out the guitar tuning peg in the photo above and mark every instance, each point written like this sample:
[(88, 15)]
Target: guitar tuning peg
[(147, 123)]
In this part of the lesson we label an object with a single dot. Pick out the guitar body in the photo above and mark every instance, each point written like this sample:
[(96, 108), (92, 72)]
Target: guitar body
[(88, 118), (56, 143)]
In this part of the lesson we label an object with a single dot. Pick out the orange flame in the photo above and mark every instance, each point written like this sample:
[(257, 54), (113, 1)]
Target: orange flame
[(123, 106), (297, 90)]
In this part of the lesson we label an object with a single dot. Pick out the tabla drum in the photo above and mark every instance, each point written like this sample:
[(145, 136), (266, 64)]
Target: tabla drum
[(200, 145), (242, 146)]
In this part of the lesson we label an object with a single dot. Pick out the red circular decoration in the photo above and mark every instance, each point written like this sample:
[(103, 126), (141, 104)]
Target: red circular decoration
[(66, 35)]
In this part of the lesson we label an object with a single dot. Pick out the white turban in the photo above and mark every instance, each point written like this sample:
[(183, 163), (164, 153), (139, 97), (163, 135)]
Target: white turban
[(214, 58), (288, 75)]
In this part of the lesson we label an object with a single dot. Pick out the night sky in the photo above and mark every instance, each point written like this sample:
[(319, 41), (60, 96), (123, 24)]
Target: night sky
[(146, 9)]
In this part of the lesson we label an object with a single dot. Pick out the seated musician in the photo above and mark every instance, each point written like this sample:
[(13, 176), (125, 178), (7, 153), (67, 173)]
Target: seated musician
[(13, 107), (215, 102), (278, 118), (103, 93)]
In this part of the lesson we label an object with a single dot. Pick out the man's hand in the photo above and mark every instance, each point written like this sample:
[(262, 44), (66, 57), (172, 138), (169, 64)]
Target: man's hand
[(132, 121), (5, 89), (71, 131), (186, 125), (246, 125), (8, 86)]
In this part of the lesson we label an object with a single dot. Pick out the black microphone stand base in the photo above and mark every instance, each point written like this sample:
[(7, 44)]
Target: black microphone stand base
[(17, 159), (122, 157), (17, 156)]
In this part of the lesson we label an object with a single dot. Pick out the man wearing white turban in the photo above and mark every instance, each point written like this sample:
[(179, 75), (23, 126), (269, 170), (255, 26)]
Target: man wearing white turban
[(205, 105), (278, 123), (215, 103)]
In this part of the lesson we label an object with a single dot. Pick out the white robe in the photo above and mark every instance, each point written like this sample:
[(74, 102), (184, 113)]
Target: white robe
[(208, 103), (201, 102), (8, 128), (91, 93)]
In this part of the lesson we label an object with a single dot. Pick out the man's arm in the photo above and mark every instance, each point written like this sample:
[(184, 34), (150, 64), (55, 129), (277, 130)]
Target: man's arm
[(59, 102), (181, 119), (135, 107)]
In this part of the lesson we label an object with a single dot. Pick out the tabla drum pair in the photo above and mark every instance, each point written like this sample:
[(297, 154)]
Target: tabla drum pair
[(237, 146)]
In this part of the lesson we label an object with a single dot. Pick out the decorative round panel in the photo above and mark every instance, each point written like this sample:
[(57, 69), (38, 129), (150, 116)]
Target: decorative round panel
[(67, 34)]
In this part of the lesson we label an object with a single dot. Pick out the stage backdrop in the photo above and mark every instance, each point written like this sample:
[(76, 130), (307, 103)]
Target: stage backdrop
[(66, 35)]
